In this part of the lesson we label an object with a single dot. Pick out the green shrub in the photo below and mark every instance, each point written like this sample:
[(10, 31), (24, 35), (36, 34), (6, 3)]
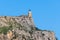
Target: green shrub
[(4, 30)]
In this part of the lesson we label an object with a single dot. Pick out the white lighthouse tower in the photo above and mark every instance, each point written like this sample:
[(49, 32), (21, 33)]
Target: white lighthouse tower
[(29, 14)]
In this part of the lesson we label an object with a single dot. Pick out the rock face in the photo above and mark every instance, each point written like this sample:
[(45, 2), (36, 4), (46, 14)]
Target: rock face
[(22, 28)]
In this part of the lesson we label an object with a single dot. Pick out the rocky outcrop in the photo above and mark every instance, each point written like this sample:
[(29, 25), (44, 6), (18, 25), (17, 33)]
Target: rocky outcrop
[(22, 28)]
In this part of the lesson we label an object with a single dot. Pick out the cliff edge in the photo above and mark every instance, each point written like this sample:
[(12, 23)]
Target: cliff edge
[(22, 28)]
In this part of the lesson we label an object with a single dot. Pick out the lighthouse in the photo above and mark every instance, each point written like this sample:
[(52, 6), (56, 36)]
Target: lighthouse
[(29, 14)]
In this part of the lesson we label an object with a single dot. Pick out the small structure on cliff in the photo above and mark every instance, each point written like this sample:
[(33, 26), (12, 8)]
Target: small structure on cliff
[(29, 14)]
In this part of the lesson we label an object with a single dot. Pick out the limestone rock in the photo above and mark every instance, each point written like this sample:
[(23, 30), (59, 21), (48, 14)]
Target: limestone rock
[(22, 28)]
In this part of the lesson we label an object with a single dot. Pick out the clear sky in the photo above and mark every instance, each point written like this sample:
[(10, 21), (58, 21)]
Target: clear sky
[(46, 13)]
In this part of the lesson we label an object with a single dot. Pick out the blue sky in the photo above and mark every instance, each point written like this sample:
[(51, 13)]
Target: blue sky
[(46, 13)]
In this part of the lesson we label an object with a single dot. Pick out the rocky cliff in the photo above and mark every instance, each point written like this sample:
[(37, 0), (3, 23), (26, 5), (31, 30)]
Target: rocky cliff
[(22, 28)]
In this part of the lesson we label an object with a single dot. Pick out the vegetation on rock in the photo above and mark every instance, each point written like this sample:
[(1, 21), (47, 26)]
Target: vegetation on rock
[(4, 30)]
